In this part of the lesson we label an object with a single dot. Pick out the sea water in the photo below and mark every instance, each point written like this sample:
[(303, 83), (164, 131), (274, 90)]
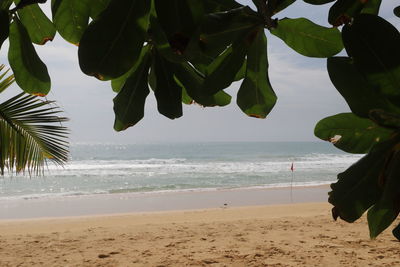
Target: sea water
[(152, 168)]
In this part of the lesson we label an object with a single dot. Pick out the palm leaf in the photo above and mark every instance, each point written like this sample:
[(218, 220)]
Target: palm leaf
[(31, 134)]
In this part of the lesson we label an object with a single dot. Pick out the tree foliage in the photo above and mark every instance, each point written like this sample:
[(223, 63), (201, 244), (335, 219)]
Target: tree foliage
[(189, 51)]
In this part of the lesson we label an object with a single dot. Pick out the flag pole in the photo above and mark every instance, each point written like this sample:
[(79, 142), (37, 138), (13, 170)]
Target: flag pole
[(291, 184)]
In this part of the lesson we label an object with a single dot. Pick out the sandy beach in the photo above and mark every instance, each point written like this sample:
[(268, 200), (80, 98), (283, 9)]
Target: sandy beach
[(301, 234)]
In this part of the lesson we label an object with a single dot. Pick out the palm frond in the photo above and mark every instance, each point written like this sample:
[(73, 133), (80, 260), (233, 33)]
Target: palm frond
[(31, 134)]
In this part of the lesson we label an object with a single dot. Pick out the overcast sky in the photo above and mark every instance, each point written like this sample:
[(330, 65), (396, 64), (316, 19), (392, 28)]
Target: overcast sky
[(305, 95)]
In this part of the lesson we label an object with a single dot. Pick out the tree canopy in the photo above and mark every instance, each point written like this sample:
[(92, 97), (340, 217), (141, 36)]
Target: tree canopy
[(189, 51)]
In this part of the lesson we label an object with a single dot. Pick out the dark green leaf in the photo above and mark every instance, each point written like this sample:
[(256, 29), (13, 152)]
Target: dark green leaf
[(371, 7), (4, 26), (168, 93), (220, 30), (242, 72), (351, 133), (344, 10), (111, 44), (222, 71), (193, 81), (98, 7), (71, 18), (358, 188), (355, 88), (5, 4), (129, 103), (119, 82), (30, 72), (374, 43), (256, 97), (213, 6), (396, 232), (308, 38), (385, 119), (162, 44), (318, 2), (386, 210), (281, 5), (39, 27), (396, 11)]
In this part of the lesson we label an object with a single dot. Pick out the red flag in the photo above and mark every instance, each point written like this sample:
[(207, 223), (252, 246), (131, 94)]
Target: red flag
[(292, 167)]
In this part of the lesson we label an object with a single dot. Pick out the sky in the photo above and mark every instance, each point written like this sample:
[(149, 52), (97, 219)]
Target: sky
[(305, 95)]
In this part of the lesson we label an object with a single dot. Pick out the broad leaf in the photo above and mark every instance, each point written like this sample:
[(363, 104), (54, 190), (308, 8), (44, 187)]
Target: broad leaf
[(385, 119), (396, 232), (372, 7), (39, 27), (351, 133), (358, 188), (281, 5), (129, 103), (308, 38), (374, 43), (193, 81), (168, 93), (30, 72), (256, 97), (386, 210), (4, 26), (344, 10), (118, 83), (31, 135), (222, 71), (97, 8), (212, 6), (111, 44), (220, 30), (396, 11), (162, 44), (318, 2), (355, 88), (71, 18)]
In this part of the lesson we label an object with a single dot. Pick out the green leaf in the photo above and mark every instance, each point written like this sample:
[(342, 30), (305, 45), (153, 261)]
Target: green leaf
[(193, 81), (358, 188), (373, 44), (162, 44), (214, 6), (30, 72), (31, 135), (168, 93), (344, 10), (222, 71), (385, 119), (256, 97), (308, 38), (39, 27), (98, 7), (318, 2), (355, 88), (220, 30), (71, 18), (129, 103), (5, 4), (118, 83), (386, 210), (372, 7), (396, 232), (4, 26), (396, 11), (281, 5), (111, 45), (351, 133)]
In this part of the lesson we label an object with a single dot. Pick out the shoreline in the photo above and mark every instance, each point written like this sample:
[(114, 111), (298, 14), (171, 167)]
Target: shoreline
[(121, 203)]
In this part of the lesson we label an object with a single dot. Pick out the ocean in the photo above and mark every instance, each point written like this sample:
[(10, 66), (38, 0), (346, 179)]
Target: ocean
[(153, 168)]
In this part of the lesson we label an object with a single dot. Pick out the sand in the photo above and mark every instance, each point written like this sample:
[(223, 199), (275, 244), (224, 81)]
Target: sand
[(301, 234)]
